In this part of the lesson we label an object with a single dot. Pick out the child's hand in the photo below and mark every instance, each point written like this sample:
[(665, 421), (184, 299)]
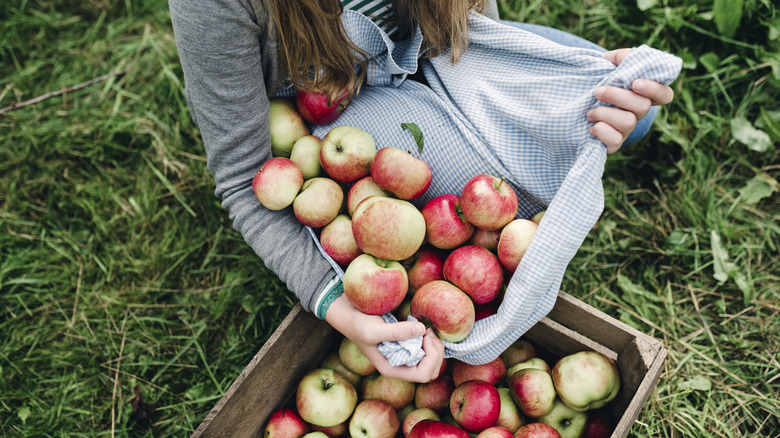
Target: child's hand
[(613, 125), (368, 331)]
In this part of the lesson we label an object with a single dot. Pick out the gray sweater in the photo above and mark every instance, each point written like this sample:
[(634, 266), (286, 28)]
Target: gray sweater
[(229, 60)]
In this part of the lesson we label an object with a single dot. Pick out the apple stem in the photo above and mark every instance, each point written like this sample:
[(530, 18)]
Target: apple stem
[(500, 182)]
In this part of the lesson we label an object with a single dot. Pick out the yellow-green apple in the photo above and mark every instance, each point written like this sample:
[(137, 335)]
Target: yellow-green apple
[(426, 265), (374, 418), (319, 108), (510, 416), (401, 173), (445, 225), (437, 429), (285, 423), (325, 398), (354, 359), (568, 422), (415, 417), (362, 189), (277, 183), (319, 202), (537, 430), (388, 228), (586, 380), (495, 432), (395, 392), (475, 405), (404, 411), (435, 394), (346, 153), (375, 286), (533, 391), (534, 362), (520, 351), (286, 126), (492, 372), (333, 362), (599, 425), (306, 154), (337, 431), (538, 217), (485, 238), (476, 271), (441, 305), (403, 311), (488, 202), (315, 434), (515, 239), (338, 242)]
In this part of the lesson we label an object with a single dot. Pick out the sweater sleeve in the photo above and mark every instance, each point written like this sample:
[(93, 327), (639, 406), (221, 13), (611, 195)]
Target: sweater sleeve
[(221, 45)]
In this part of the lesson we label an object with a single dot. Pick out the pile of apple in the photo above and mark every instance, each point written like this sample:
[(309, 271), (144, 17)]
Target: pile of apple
[(445, 263), (517, 395)]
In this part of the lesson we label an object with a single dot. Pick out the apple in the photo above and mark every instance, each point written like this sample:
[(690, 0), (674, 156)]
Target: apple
[(333, 362), (509, 416), (534, 362), (316, 434), (435, 394), (445, 225), (375, 286), (586, 380), (338, 242), (388, 228), (426, 265), (476, 271), (495, 432), (568, 422), (325, 398), (286, 126), (537, 430), (374, 418), (318, 202), (533, 391), (599, 425), (346, 153), (415, 417), (520, 351), (488, 202), (403, 311), (285, 423), (401, 173), (485, 238), (277, 183), (515, 239), (336, 431), (305, 153), (395, 392), (362, 189), (354, 359), (475, 405), (446, 308), (492, 372), (484, 310), (538, 217), (437, 429), (318, 108)]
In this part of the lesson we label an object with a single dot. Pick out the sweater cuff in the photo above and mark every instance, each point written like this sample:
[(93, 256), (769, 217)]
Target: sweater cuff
[(333, 289)]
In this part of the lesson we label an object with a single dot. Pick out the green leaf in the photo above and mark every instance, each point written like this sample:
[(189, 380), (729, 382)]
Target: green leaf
[(744, 132), (23, 413), (644, 5), (720, 258), (710, 61), (727, 14), (699, 383), (416, 133), (755, 190), (632, 288)]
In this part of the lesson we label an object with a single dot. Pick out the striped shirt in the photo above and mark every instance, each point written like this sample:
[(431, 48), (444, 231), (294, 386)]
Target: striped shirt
[(380, 12)]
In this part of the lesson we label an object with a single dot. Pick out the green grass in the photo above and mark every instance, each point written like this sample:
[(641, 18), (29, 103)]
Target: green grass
[(119, 270)]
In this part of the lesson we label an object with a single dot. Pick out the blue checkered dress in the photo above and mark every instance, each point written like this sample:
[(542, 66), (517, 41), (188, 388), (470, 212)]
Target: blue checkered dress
[(513, 106)]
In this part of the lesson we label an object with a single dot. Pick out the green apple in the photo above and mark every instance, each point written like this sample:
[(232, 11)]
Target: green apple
[(586, 380), (568, 422), (286, 126)]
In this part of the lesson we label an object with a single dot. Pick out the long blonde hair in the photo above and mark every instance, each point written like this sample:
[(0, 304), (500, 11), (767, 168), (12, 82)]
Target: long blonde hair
[(317, 54)]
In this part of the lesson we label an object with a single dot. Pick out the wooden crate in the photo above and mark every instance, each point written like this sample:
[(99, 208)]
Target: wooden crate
[(301, 342)]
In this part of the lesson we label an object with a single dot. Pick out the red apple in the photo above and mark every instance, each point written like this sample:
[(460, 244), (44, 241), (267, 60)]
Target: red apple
[(520, 351), (285, 423), (537, 430), (374, 418), (337, 431), (354, 359), (306, 154), (338, 242), (318, 108), (277, 183), (395, 392), (435, 394), (445, 225), (493, 372), (510, 416), (400, 172), (533, 391), (286, 126), (599, 425), (325, 398), (415, 417), (445, 307), (487, 309), (475, 405), (333, 362), (495, 432), (346, 153), (488, 202), (388, 228), (485, 238), (476, 271), (318, 202), (586, 380), (515, 239), (437, 429), (375, 286), (362, 189), (426, 265)]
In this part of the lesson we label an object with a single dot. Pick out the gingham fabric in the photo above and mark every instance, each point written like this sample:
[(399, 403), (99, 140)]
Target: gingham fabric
[(513, 106)]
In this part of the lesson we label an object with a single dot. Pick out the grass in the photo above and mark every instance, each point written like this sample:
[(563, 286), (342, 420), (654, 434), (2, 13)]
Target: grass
[(120, 271)]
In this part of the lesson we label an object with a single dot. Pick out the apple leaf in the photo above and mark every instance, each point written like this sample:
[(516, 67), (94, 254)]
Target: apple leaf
[(416, 133)]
